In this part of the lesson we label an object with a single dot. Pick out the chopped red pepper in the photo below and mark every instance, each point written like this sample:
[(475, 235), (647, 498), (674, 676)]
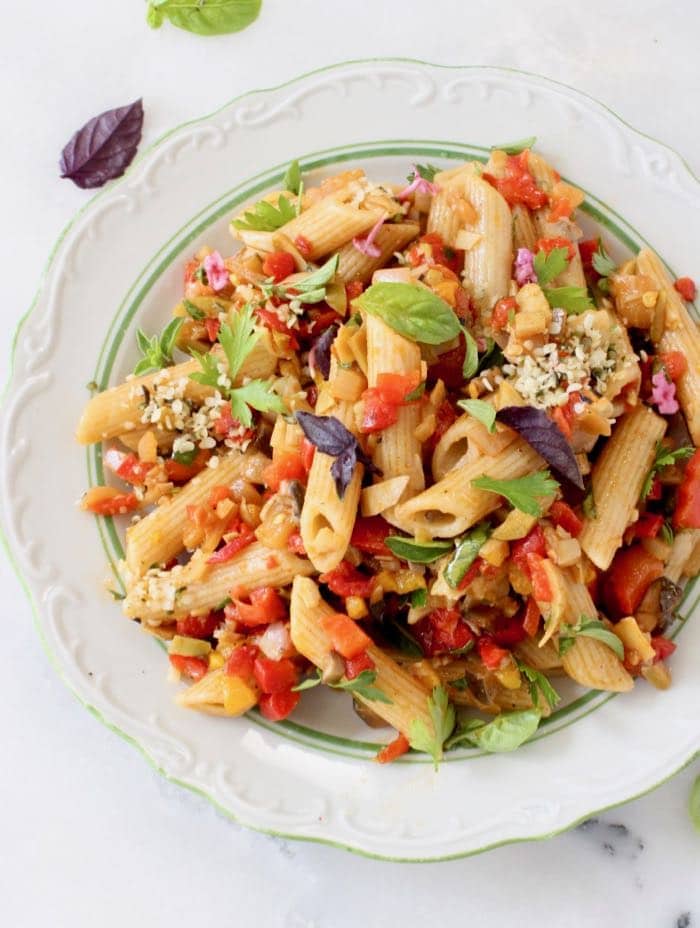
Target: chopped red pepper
[(346, 580), (245, 537), (278, 265), (277, 706), (369, 534), (563, 515), (212, 326), (686, 287), (632, 571), (532, 543), (437, 253), (382, 402), (508, 632), (199, 626), (295, 544), (648, 525), (304, 246), (675, 362), (275, 676), (442, 630), (192, 667), (133, 470), (663, 647), (448, 366), (518, 185), (217, 495), (241, 662), (549, 244), (400, 745), (308, 450), (354, 666), (346, 636), (587, 249), (541, 588), (272, 321), (180, 473), (353, 289), (115, 505), (265, 607), (502, 312), (445, 415), (687, 512), (561, 208), (531, 619), (492, 656), (288, 466)]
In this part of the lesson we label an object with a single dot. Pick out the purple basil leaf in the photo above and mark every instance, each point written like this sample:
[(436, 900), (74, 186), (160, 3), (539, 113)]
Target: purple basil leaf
[(342, 470), (327, 433), (539, 431), (320, 355), (104, 147)]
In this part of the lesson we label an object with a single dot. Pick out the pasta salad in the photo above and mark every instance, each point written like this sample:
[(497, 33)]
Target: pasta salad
[(421, 443)]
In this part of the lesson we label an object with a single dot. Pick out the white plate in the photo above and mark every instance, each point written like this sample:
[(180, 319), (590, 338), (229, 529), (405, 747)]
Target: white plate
[(118, 265)]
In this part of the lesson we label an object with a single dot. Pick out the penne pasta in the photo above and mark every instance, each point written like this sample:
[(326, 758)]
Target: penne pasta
[(353, 264), (328, 225)]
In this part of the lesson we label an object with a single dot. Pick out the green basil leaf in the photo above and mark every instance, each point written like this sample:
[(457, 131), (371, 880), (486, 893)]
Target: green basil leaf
[(204, 17), (492, 357), (466, 553), (506, 733), (481, 410), (318, 279), (292, 177), (419, 552), (589, 628), (412, 311), (515, 148), (471, 356)]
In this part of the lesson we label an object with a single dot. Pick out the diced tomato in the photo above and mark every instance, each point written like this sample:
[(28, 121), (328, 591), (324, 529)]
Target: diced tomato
[(304, 246), (277, 706), (346, 580), (217, 495), (632, 571), (308, 450), (241, 662), (346, 636), (448, 366), (181, 473), (192, 667), (245, 537), (648, 525), (663, 647), (199, 626), (508, 632), (563, 515), (675, 362), (549, 244), (288, 466), (319, 318), (541, 588), (382, 402), (533, 543), (295, 544), (354, 666), (278, 265), (369, 533), (212, 326), (560, 208), (502, 312), (587, 249), (687, 512), (442, 630), (463, 306), (395, 388), (353, 289), (564, 416), (272, 321), (265, 607), (442, 254), (686, 287), (115, 505), (400, 745), (518, 185), (532, 616), (225, 421), (275, 676), (492, 656), (133, 470)]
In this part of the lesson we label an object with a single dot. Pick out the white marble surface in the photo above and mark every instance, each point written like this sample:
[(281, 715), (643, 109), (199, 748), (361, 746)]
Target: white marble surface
[(89, 834)]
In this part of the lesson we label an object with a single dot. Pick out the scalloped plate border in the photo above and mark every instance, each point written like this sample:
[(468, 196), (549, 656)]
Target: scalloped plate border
[(611, 117)]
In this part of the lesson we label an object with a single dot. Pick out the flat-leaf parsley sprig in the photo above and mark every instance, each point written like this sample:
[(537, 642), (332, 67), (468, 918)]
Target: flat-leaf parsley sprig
[(442, 715), (157, 351), (237, 340)]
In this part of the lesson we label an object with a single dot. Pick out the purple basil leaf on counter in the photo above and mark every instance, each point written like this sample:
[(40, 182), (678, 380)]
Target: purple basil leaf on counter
[(320, 354), (104, 147), (539, 431), (330, 436)]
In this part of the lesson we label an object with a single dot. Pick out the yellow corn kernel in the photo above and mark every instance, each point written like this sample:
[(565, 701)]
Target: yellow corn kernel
[(238, 696), (355, 607)]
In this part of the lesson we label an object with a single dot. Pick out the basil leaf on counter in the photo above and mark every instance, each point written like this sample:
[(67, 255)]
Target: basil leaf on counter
[(542, 434), (505, 733), (481, 410), (419, 552), (466, 553), (412, 311), (104, 147), (204, 17)]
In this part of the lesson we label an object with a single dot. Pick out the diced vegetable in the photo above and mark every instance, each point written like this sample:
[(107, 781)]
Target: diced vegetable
[(687, 512), (346, 636), (632, 571)]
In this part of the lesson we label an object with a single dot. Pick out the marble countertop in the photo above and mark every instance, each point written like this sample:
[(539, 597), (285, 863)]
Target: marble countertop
[(89, 834)]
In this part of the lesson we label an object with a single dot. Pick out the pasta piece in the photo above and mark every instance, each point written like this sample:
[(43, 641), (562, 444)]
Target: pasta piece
[(119, 408), (544, 657), (327, 520), (328, 224), (450, 209), (163, 597), (383, 495), (409, 700), (355, 265), (680, 334), (452, 505), (157, 538), (218, 694), (685, 546), (398, 451), (617, 480), (524, 231), (465, 440), (487, 265)]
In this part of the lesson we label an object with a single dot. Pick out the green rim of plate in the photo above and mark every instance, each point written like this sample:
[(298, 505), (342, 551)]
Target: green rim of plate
[(109, 528)]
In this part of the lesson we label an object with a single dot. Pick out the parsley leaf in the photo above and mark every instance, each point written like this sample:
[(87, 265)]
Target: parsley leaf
[(538, 683), (602, 262), (664, 457), (549, 266), (442, 714), (481, 410), (256, 394), (589, 628), (210, 373), (471, 355), (515, 148), (573, 300), (292, 177), (426, 171), (264, 217), (157, 350), (238, 339), (522, 492)]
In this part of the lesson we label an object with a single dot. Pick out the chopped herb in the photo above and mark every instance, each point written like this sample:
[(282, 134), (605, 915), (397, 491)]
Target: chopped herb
[(157, 351), (415, 394), (538, 683), (418, 552), (481, 410), (522, 492), (194, 311), (573, 300), (426, 171), (471, 355), (292, 177), (466, 553), (185, 457), (419, 597), (505, 733), (549, 266), (589, 628), (361, 685), (442, 715), (516, 148), (664, 457), (264, 217), (602, 262)]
